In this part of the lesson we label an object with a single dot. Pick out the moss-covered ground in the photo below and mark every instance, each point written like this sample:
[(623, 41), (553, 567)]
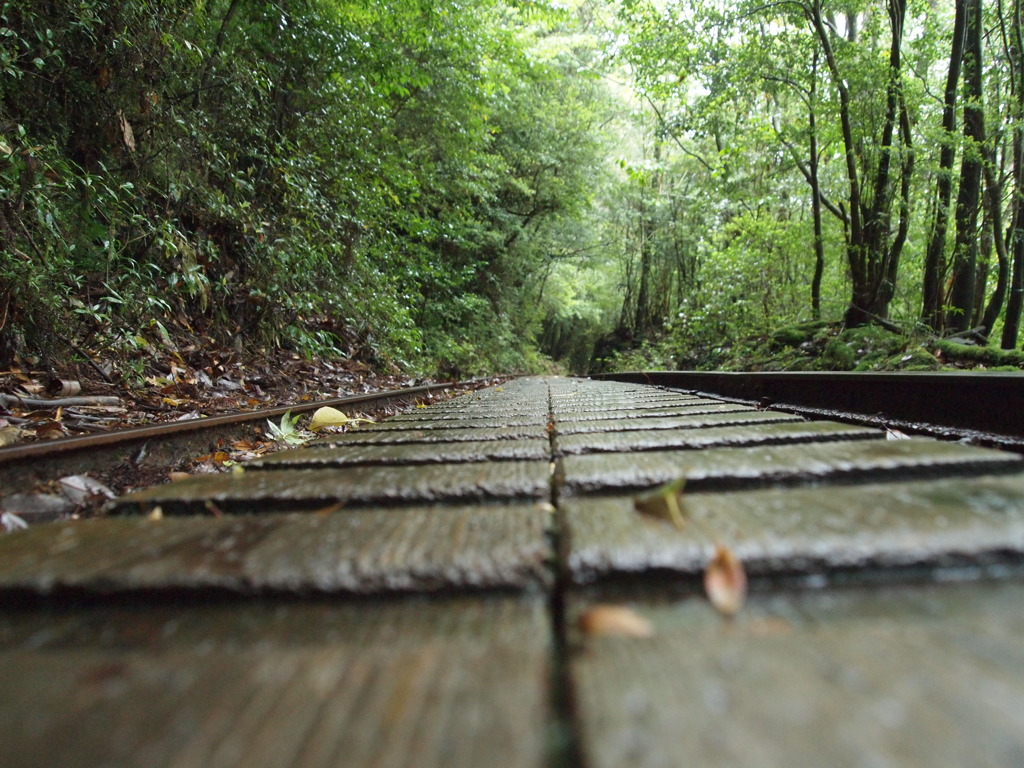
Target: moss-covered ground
[(829, 347)]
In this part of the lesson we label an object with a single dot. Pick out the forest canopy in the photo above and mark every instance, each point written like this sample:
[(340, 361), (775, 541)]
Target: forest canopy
[(489, 185)]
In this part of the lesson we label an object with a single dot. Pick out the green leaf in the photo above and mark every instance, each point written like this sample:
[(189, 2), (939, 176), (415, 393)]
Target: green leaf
[(287, 431)]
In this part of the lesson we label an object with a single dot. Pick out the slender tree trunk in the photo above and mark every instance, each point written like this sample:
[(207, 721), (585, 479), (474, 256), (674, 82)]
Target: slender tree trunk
[(819, 246), (644, 320), (994, 198), (906, 177), (1015, 300), (218, 45), (1015, 49), (965, 250), (855, 237), (872, 259), (934, 263)]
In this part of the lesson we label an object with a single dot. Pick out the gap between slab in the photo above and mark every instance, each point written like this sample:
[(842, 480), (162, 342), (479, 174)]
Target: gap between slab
[(566, 737)]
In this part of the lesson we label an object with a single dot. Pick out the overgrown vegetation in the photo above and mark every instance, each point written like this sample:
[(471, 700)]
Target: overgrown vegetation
[(503, 185), (817, 160), (334, 176)]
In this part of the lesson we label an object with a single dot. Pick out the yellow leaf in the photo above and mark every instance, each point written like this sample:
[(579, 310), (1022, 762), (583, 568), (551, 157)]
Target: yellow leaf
[(11, 435), (664, 502), (332, 417), (614, 620), (725, 581)]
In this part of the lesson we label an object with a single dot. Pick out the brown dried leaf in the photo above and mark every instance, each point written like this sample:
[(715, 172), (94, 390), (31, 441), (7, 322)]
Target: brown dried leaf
[(725, 581), (614, 620), (127, 134), (49, 429), (664, 502), (329, 510)]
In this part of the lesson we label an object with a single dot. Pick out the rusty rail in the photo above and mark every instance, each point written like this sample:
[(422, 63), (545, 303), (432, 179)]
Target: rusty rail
[(34, 462), (985, 407)]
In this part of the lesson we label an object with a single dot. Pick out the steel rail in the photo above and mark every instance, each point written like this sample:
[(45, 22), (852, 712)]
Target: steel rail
[(166, 441), (971, 404)]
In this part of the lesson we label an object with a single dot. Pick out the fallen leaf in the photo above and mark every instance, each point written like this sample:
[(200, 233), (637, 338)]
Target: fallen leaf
[(50, 429), (11, 435), (332, 417), (287, 432), (895, 434), (175, 476), (11, 522), (329, 510), (80, 488), (664, 502), (614, 620), (725, 581)]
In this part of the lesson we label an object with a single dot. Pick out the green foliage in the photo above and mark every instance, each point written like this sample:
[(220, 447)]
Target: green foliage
[(288, 430), (339, 177), (795, 335), (459, 188), (990, 357)]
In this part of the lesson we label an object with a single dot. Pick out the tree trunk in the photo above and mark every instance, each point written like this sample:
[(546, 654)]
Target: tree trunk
[(819, 246), (872, 259), (965, 250), (1011, 321), (218, 45), (906, 177), (644, 320), (994, 198), (1015, 300), (855, 235), (934, 263)]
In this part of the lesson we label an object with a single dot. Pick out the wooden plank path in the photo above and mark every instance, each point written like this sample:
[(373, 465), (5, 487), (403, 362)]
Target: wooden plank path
[(408, 594)]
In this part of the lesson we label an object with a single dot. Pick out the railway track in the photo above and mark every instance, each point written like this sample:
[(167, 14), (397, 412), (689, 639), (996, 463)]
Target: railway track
[(157, 448), (482, 582), (985, 408)]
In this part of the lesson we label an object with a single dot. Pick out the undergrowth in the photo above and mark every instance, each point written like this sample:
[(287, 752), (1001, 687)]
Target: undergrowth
[(826, 347)]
